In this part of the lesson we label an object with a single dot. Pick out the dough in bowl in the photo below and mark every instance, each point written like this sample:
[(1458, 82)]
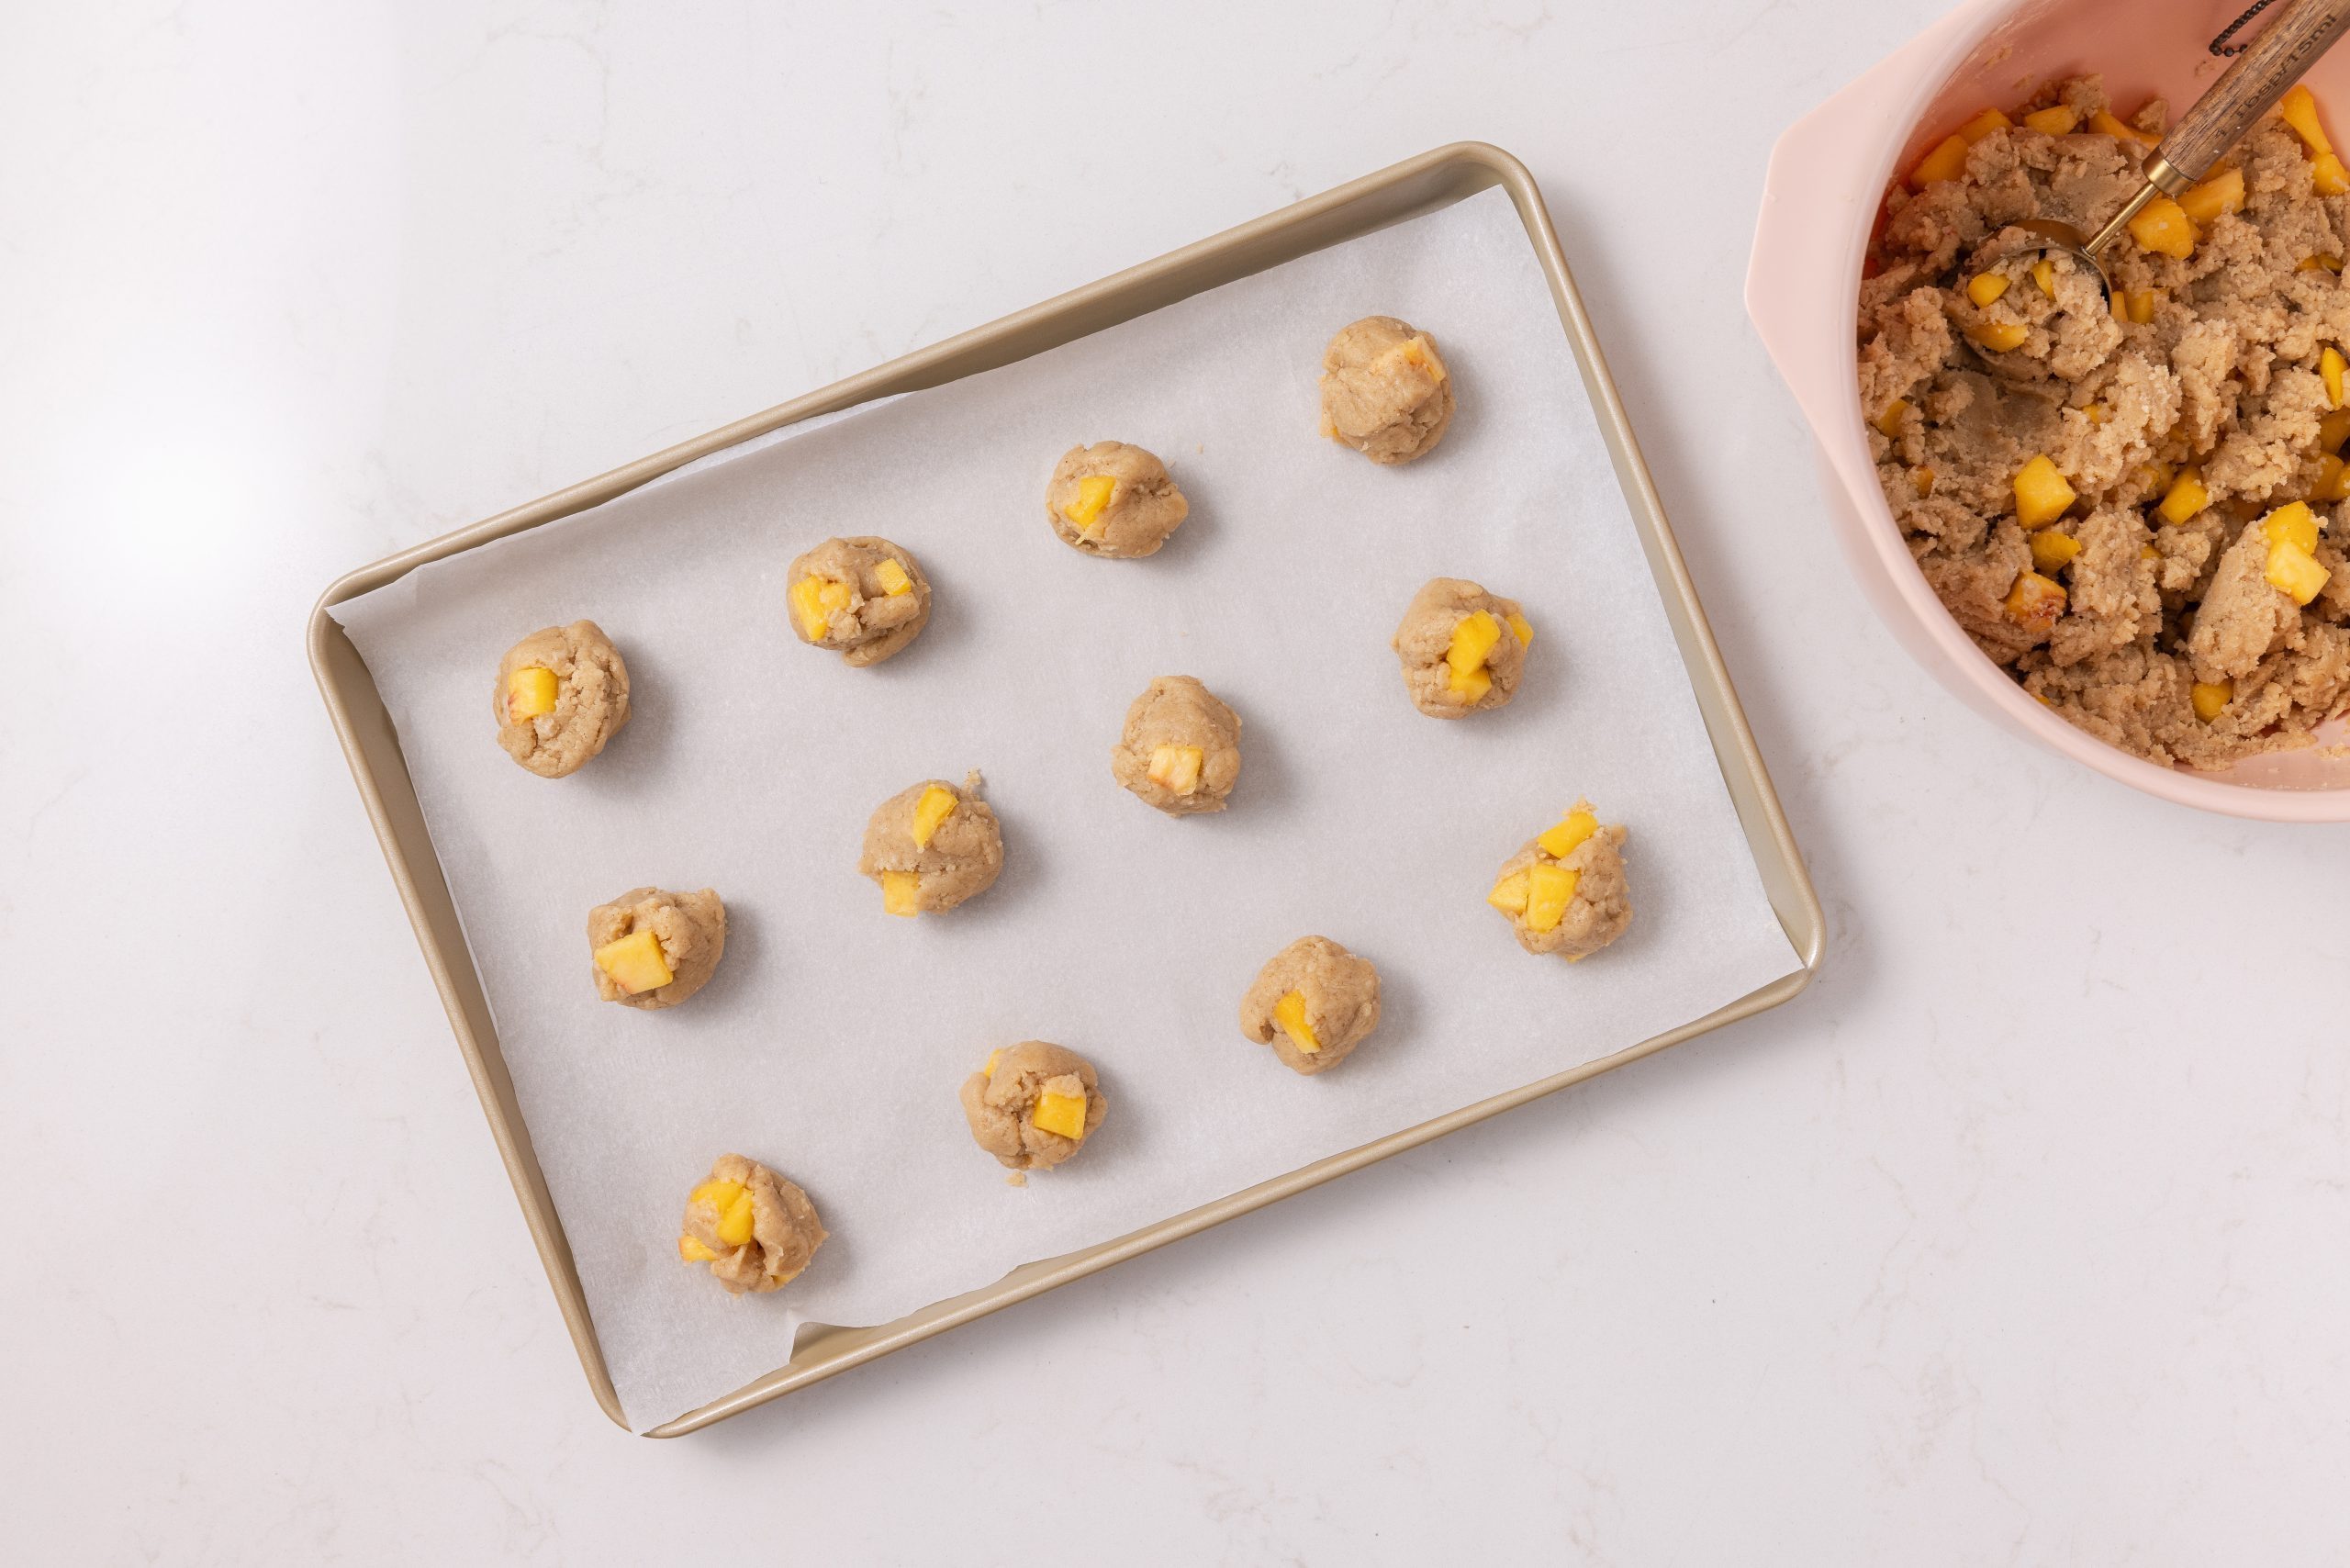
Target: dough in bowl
[(1314, 1002), (1385, 390), (1180, 748), (1113, 500), (653, 948), (754, 1229), (864, 598), (1034, 1105), (562, 693), (931, 846), (1462, 649), (1564, 890)]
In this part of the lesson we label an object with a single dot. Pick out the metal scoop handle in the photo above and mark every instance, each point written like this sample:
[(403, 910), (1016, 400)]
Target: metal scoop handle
[(2285, 49)]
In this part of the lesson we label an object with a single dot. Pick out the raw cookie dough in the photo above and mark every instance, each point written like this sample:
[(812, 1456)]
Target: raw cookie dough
[(1180, 748), (1565, 891), (931, 846), (1033, 1105), (1463, 649), (1314, 1002), (864, 598), (2090, 487), (1113, 500), (654, 949), (1385, 391), (754, 1229), (562, 693)]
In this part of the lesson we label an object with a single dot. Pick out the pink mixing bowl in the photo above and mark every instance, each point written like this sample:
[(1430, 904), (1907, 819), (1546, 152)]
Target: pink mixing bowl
[(1828, 176)]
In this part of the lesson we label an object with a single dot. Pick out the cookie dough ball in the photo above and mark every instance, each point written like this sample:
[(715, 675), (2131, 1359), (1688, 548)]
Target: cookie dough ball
[(562, 693), (1565, 891), (1384, 390), (754, 1229), (1113, 500), (1033, 1105), (931, 846), (1313, 1003), (1180, 748), (864, 598), (1463, 649), (654, 947)]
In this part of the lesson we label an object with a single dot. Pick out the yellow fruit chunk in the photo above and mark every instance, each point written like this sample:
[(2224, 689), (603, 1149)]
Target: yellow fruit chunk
[(2295, 573), (1999, 336), (1574, 828), (734, 1223), (2328, 368), (1290, 1013), (2120, 305), (2328, 175), (2299, 110), (813, 600), (1888, 423), (1509, 894), (1985, 287), (2293, 524), (2148, 552), (2211, 699), (2162, 228), (1415, 352), (1472, 639), (2105, 124), (936, 806), (1548, 889), (2035, 601), (893, 578), (2154, 475), (2041, 494), (1946, 162), (692, 1252), (2320, 264), (1093, 494), (993, 1057), (1062, 1114), (2141, 305), (2054, 120), (2330, 485), (1983, 125), (530, 692), (2053, 548), (2186, 496), (1522, 629), (635, 962), (900, 893), (2224, 192), (719, 1195), (1922, 481), (1176, 767), (2332, 429), (2095, 413), (2044, 273)]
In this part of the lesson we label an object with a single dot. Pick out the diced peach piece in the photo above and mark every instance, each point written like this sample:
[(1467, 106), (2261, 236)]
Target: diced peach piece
[(1548, 889), (2052, 550), (2211, 697), (1946, 162), (734, 1223), (2320, 262), (900, 893), (1522, 629), (1290, 1013), (2142, 306), (893, 578), (2224, 192), (1093, 494), (1888, 423), (1561, 841), (2295, 573), (692, 1252), (2331, 473), (2298, 108), (635, 962), (2328, 176), (1472, 639), (2044, 273), (2293, 524), (2162, 228), (813, 600), (2186, 496), (1921, 479), (1999, 336), (2041, 493), (1176, 768), (1983, 125), (1062, 1114), (2105, 123), (1509, 894), (2035, 602), (936, 806), (2329, 369), (2332, 429), (2054, 120), (1985, 288), (530, 692)]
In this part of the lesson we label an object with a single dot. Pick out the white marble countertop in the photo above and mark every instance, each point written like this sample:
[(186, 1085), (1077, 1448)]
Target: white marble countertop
[(2018, 1238)]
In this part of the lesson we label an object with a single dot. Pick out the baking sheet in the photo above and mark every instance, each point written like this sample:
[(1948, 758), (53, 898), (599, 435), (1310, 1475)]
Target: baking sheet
[(832, 1041)]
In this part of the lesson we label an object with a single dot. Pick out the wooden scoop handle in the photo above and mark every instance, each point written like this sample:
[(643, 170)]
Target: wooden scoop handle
[(2285, 49)]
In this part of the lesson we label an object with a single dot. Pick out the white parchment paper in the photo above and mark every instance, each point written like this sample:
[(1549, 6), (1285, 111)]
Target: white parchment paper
[(832, 1041)]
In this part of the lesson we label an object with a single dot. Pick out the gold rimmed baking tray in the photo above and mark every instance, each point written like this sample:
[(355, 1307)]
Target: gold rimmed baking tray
[(1407, 190)]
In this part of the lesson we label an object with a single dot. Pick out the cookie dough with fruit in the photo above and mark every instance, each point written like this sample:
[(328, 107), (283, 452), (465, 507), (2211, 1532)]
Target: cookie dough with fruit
[(931, 846), (653, 948), (1180, 748), (562, 693), (864, 598), (1564, 890), (1462, 649), (1034, 1105), (1385, 390), (1113, 500), (754, 1229), (1314, 1002)]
